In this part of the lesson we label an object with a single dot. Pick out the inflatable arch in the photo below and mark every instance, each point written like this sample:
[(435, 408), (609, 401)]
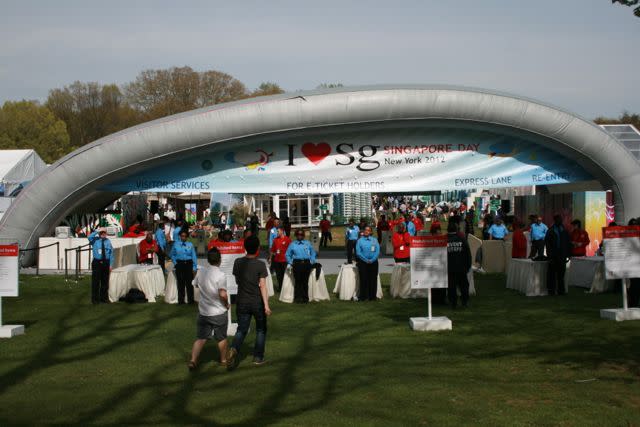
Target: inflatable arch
[(83, 178)]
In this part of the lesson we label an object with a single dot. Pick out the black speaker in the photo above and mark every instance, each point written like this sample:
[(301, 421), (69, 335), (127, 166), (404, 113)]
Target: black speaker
[(154, 207), (506, 206)]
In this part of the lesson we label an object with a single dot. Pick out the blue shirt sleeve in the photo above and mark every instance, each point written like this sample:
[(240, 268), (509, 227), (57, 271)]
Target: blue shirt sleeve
[(173, 253), (93, 237), (112, 258), (313, 253), (289, 254), (194, 258)]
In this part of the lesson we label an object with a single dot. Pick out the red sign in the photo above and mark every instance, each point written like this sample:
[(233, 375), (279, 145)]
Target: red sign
[(229, 248), (621, 232), (437, 241), (9, 250)]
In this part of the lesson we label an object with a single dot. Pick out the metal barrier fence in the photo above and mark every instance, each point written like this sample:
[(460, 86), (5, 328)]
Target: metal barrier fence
[(78, 259)]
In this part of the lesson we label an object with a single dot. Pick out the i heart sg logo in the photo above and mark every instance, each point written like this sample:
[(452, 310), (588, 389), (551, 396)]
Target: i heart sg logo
[(316, 152)]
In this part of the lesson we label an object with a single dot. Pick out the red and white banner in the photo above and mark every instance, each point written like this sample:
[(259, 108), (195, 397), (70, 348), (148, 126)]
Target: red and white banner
[(429, 262), (621, 251), (9, 270), (229, 253)]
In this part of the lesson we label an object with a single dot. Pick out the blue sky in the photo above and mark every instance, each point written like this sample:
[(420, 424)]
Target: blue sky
[(580, 55)]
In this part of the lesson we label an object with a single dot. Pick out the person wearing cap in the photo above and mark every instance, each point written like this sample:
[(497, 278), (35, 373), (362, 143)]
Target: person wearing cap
[(185, 262), (146, 248), (401, 241), (367, 252), (579, 239), (497, 231), (301, 256), (279, 255), (101, 266), (458, 265), (351, 236), (538, 231)]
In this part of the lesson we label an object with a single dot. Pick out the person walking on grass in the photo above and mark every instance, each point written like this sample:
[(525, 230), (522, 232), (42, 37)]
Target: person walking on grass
[(212, 309), (252, 301)]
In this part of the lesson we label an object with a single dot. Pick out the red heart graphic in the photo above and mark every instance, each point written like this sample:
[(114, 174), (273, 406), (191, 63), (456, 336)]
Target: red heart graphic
[(316, 152)]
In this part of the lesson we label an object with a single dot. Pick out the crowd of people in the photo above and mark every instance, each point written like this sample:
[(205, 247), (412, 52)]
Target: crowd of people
[(170, 240)]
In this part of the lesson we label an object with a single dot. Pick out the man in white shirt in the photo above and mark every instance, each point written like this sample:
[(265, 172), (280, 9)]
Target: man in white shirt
[(212, 307)]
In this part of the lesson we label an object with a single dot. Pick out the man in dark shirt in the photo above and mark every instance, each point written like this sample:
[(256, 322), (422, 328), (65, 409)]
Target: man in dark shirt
[(252, 301), (558, 244), (458, 265)]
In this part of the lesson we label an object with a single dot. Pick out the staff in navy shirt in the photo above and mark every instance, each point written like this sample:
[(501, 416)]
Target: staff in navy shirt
[(352, 234), (368, 251), (185, 261), (100, 266), (301, 256)]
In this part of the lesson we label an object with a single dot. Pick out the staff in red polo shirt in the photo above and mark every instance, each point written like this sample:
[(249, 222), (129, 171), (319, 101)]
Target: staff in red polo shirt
[(146, 249), (417, 222), (325, 229), (579, 239), (278, 255), (401, 241)]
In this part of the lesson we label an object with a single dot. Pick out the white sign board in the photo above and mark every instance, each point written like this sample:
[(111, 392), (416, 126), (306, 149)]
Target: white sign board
[(9, 270), (429, 262), (229, 253), (621, 251)]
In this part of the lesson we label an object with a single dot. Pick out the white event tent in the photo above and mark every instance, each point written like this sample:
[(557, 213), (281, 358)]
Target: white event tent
[(17, 167)]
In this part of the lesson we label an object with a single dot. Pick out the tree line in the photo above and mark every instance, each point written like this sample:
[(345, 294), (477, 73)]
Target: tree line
[(81, 112)]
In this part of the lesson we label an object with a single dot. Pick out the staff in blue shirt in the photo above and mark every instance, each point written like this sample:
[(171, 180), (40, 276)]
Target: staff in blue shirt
[(498, 231), (100, 266), (352, 233), (176, 232), (185, 261), (161, 239), (301, 256), (538, 234), (368, 251), (273, 233), (411, 227)]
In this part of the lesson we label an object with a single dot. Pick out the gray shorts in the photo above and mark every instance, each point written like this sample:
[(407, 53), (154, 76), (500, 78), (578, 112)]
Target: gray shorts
[(208, 326)]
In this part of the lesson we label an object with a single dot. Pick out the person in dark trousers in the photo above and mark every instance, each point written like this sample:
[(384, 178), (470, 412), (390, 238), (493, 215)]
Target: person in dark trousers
[(458, 265), (368, 251), (101, 266), (279, 256), (325, 229), (538, 231), (252, 301), (185, 261), (301, 257), (352, 233), (558, 245)]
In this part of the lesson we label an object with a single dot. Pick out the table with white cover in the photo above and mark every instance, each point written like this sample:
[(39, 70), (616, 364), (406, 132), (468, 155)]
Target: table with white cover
[(147, 278), (528, 276), (401, 283), (348, 283), (588, 272), (317, 287)]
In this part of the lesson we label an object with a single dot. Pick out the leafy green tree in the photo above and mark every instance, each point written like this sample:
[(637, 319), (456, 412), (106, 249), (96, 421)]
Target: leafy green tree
[(267, 88), (29, 125), (91, 110)]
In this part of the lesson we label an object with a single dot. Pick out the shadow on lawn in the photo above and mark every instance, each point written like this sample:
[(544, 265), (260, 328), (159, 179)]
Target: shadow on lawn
[(51, 354)]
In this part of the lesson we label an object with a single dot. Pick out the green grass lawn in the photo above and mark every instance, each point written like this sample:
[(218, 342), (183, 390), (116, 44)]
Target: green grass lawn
[(510, 360)]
